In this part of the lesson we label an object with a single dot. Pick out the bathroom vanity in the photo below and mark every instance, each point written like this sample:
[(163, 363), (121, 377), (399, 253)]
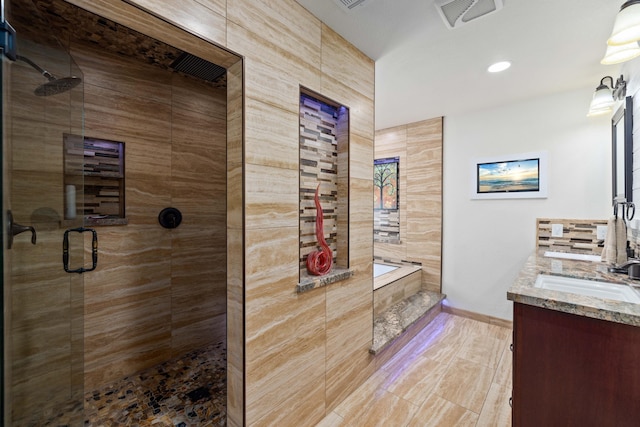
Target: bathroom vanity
[(576, 358)]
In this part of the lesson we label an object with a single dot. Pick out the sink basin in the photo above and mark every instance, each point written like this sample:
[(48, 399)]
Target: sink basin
[(578, 257), (590, 288)]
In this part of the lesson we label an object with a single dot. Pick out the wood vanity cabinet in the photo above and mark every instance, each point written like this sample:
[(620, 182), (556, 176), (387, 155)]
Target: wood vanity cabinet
[(571, 370)]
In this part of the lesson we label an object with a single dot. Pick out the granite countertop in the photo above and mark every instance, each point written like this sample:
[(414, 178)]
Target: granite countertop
[(523, 290)]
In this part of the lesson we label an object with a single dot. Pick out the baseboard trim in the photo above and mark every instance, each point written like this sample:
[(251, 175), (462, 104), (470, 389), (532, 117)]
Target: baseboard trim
[(477, 316)]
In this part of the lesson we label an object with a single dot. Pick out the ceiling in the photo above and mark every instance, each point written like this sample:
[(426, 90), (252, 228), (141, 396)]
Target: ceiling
[(424, 69)]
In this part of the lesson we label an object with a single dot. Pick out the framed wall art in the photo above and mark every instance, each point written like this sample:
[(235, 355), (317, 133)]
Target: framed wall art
[(508, 177)]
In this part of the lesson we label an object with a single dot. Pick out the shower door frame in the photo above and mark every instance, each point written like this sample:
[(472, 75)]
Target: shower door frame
[(42, 334)]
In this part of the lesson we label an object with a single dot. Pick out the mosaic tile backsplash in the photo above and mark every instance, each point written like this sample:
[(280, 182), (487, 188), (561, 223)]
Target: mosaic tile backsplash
[(578, 235)]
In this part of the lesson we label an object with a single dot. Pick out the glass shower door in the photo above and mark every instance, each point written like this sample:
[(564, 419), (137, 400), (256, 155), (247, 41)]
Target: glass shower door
[(42, 185)]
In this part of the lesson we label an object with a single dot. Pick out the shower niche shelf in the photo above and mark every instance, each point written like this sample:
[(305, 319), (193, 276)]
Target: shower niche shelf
[(97, 166)]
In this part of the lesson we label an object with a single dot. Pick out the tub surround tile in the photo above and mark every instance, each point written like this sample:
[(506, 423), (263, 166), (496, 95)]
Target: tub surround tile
[(394, 292), (394, 321), (523, 290), (419, 147), (404, 270)]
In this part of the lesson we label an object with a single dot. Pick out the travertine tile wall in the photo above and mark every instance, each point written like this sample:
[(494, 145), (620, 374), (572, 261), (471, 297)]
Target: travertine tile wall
[(419, 146), (156, 293), (303, 352)]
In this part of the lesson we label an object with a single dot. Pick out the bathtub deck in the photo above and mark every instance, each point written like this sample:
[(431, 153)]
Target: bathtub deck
[(392, 276)]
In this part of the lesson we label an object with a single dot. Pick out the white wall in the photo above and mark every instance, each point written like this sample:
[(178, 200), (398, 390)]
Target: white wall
[(486, 242)]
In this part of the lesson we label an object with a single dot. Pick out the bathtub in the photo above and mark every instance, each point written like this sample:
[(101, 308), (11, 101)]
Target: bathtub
[(391, 283), (380, 269)]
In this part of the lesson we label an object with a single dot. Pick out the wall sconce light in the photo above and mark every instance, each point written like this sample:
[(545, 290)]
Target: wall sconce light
[(626, 28), (623, 45), (605, 96), (621, 53)]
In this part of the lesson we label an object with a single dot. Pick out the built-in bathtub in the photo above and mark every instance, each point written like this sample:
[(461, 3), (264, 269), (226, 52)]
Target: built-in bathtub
[(401, 307), (394, 282), (380, 269)]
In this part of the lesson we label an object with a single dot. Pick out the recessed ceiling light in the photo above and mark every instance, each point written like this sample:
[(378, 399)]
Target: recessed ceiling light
[(499, 66)]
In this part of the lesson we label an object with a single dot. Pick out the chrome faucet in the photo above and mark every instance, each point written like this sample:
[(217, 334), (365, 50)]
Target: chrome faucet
[(624, 267)]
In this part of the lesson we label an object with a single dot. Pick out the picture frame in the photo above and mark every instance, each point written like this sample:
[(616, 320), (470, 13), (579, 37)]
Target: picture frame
[(386, 180), (516, 176)]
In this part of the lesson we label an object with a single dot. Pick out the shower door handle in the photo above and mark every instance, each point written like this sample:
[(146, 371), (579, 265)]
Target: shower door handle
[(14, 229), (94, 250)]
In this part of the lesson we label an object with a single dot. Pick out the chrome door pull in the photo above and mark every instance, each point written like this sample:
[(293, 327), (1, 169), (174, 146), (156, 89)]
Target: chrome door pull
[(14, 229)]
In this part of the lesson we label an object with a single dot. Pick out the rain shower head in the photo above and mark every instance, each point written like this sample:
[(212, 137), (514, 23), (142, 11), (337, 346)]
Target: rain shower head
[(54, 86)]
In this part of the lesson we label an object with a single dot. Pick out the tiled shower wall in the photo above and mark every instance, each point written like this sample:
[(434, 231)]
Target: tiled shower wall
[(303, 353), (160, 292)]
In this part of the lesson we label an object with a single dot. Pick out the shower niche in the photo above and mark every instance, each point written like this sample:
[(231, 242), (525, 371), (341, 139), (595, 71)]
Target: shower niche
[(324, 167), (102, 165)]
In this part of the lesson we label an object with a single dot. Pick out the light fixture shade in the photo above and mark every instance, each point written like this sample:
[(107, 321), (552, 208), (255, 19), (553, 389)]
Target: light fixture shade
[(621, 53), (602, 98), (602, 102), (626, 28), (600, 112)]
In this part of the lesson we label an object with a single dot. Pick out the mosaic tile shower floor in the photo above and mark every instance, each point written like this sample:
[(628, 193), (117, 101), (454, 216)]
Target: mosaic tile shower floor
[(185, 392)]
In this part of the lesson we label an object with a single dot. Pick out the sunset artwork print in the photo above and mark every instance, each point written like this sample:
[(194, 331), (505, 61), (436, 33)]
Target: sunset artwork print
[(509, 176)]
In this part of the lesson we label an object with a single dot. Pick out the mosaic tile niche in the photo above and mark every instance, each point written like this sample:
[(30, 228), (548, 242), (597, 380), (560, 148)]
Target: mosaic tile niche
[(324, 161)]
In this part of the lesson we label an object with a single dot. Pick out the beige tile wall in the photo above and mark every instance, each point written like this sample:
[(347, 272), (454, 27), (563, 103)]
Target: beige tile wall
[(303, 352), (419, 146), (157, 293)]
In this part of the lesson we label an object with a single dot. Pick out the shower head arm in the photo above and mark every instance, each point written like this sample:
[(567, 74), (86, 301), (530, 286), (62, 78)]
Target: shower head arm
[(36, 67)]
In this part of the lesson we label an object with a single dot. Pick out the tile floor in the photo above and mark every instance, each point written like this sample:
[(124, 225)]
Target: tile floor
[(183, 392), (455, 372)]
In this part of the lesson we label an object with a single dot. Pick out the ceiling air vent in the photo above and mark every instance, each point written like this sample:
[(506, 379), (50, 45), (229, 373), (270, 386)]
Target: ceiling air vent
[(350, 5), (458, 12)]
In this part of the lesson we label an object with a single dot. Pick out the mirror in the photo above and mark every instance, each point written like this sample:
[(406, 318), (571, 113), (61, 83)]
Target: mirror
[(622, 151)]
